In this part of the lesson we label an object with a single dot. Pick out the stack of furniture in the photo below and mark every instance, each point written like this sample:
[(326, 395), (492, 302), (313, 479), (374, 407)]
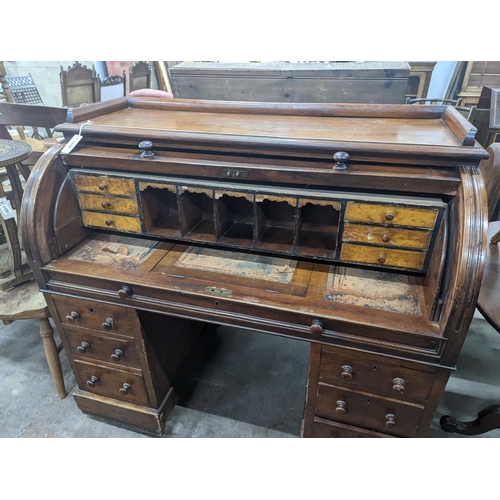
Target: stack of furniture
[(360, 229)]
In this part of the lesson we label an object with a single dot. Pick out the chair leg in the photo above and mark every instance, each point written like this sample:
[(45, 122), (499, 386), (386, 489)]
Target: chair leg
[(52, 354)]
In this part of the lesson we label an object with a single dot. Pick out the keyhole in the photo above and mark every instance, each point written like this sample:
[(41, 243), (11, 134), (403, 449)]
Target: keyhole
[(375, 367)]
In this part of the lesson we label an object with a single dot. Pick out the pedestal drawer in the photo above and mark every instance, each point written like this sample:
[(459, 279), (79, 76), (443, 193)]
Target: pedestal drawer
[(92, 345), (365, 372), (110, 382), (323, 428), (367, 411), (90, 314)]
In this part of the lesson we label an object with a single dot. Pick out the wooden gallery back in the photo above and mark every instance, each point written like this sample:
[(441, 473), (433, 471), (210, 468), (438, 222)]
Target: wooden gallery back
[(360, 229)]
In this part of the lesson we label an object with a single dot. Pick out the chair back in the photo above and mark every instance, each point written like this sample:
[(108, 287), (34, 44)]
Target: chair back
[(140, 76), (79, 85)]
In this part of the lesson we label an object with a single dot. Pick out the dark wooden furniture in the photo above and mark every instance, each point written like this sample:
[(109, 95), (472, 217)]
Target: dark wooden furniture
[(360, 229), (487, 116), (368, 82), (79, 85), (140, 76)]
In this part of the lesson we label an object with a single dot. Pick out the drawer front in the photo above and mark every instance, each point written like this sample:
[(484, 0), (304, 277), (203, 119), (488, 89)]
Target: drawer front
[(322, 428), (390, 214), (87, 344), (109, 382), (366, 373), (112, 221), (104, 185), (367, 411), (108, 204), (383, 257), (90, 314), (387, 236)]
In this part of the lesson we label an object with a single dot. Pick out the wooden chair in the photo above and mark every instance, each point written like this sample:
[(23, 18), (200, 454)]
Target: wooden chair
[(140, 76), (79, 85), (19, 295), (113, 87)]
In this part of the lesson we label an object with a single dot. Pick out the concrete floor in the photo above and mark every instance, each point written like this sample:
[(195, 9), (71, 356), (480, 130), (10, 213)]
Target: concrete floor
[(241, 384)]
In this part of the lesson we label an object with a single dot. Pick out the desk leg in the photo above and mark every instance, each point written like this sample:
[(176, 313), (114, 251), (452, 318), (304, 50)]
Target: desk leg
[(487, 420)]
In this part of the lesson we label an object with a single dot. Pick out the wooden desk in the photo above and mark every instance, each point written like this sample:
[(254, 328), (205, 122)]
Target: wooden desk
[(358, 229)]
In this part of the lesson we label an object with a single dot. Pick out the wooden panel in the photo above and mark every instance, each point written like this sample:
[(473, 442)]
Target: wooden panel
[(384, 257), (391, 214), (111, 204), (367, 411), (370, 374), (112, 221), (110, 382), (323, 428), (91, 314), (101, 347), (104, 185), (387, 236)]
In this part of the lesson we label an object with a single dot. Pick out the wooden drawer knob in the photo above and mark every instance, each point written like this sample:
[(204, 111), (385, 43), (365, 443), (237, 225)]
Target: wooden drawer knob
[(317, 327), (147, 147), (82, 348), (341, 407), (93, 381), (103, 186), (125, 388), (106, 204), (125, 291), (386, 238), (398, 385), (381, 259), (390, 420), (341, 157), (347, 372), (72, 316), (108, 324), (116, 356), (109, 222), (389, 216)]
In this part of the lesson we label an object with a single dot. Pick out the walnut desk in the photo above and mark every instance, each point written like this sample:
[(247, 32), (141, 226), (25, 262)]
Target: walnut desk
[(360, 229)]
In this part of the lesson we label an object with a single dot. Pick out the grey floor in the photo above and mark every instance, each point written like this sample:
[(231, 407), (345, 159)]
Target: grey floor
[(240, 384)]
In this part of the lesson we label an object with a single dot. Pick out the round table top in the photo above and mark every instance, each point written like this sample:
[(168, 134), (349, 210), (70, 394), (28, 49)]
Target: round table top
[(13, 152), (489, 295)]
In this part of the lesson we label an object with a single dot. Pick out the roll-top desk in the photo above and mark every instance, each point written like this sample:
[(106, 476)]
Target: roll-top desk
[(360, 229)]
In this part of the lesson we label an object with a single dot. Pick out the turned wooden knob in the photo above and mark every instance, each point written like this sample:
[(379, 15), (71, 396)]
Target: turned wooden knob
[(93, 381), (116, 356), (106, 204), (390, 420), (108, 324), (109, 222), (341, 407), (125, 388), (340, 157), (386, 238), (389, 216), (82, 348), (103, 186), (72, 316), (381, 259), (347, 372), (147, 147), (125, 291), (398, 385), (317, 327)]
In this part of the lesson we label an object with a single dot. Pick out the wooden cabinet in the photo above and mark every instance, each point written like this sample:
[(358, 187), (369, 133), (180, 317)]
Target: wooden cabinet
[(358, 229)]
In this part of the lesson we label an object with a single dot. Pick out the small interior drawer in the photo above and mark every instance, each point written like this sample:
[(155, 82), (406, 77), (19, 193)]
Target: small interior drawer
[(102, 347), (383, 257), (391, 214), (387, 236), (110, 382), (104, 185), (108, 204), (90, 314), (112, 221)]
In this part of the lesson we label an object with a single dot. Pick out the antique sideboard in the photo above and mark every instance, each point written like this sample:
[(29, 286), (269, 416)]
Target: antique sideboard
[(360, 229)]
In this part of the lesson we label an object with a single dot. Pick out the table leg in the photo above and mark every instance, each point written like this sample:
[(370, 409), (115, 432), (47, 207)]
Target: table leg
[(487, 420), (52, 354)]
